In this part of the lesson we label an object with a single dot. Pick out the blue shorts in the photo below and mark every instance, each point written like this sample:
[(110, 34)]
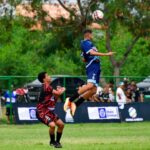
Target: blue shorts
[(93, 73)]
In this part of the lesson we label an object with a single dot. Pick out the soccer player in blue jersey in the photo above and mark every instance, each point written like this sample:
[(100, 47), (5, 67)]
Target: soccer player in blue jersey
[(91, 57)]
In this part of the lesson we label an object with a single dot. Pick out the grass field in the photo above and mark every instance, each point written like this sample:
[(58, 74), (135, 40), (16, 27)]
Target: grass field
[(98, 136)]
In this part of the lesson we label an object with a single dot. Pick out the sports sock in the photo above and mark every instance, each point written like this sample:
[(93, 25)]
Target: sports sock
[(79, 101), (72, 98), (58, 137), (52, 137)]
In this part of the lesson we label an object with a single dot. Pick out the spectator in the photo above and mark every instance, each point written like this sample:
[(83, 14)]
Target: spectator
[(137, 95), (22, 95), (10, 98), (111, 94), (126, 84), (132, 85), (95, 97), (120, 95), (104, 95), (128, 94), (111, 85)]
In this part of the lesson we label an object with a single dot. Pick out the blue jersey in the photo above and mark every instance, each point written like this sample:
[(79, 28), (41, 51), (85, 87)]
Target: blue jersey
[(10, 98), (86, 46)]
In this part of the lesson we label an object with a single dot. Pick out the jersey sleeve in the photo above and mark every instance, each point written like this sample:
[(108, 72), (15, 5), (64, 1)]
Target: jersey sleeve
[(87, 46), (44, 92)]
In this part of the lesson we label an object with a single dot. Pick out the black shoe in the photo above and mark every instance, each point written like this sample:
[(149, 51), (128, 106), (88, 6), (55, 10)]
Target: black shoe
[(58, 145), (52, 143)]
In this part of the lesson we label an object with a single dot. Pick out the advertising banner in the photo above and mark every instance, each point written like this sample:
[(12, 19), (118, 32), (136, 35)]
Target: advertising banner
[(106, 112), (27, 113), (134, 112), (89, 112)]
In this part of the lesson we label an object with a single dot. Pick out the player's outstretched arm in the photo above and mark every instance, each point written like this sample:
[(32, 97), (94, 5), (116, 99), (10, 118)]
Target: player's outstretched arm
[(59, 91), (94, 53)]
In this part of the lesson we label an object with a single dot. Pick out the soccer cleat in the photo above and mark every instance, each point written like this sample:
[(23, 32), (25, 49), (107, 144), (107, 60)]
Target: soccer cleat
[(73, 108), (52, 143), (58, 145), (67, 104)]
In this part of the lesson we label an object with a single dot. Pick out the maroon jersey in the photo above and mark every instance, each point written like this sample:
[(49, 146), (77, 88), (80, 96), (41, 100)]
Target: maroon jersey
[(46, 98)]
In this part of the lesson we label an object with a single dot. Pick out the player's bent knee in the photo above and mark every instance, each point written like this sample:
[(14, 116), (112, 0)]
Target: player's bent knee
[(61, 125), (90, 85), (94, 89), (86, 87), (52, 125)]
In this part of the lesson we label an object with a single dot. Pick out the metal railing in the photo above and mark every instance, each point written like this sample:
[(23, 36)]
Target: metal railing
[(6, 82)]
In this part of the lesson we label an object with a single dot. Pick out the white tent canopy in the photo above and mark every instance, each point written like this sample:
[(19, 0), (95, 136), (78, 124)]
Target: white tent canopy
[(145, 83), (36, 82)]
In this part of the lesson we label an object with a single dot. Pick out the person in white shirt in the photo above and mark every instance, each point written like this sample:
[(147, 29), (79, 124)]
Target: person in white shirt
[(120, 95)]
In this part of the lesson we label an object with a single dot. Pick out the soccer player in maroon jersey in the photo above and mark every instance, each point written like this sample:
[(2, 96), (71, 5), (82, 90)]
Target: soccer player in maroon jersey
[(46, 106)]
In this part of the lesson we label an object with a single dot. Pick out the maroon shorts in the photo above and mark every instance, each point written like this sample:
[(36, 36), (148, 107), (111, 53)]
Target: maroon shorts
[(46, 116)]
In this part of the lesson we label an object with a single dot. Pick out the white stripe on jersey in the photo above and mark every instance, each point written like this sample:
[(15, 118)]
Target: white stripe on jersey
[(90, 62)]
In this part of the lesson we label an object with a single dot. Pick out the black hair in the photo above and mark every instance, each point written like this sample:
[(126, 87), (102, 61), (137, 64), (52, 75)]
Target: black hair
[(87, 31), (41, 76)]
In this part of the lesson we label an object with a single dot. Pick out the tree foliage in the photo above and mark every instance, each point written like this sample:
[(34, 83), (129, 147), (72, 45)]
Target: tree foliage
[(56, 48)]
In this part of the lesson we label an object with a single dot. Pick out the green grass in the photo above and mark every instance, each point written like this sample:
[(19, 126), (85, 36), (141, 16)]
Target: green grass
[(93, 136)]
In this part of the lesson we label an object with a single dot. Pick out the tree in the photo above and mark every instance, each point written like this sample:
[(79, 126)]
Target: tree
[(138, 61), (18, 50), (63, 36), (133, 15)]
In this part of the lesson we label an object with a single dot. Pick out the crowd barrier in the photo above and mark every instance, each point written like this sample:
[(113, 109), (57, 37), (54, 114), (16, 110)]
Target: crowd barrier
[(89, 112)]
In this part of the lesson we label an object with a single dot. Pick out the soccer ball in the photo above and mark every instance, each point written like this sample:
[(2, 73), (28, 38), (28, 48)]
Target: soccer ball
[(97, 15)]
